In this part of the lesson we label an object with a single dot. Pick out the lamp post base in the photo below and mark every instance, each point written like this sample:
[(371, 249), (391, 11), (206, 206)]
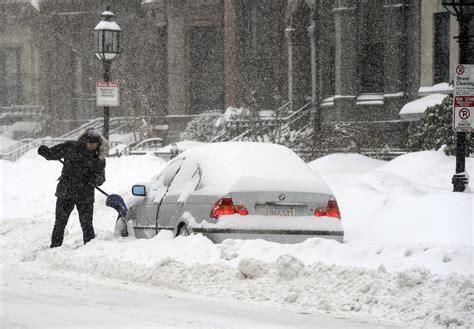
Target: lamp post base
[(460, 181)]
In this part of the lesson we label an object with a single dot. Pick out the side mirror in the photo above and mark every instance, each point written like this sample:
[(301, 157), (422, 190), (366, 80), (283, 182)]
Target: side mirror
[(139, 190)]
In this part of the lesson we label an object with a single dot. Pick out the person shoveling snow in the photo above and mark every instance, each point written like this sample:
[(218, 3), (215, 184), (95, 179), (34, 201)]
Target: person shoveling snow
[(83, 170)]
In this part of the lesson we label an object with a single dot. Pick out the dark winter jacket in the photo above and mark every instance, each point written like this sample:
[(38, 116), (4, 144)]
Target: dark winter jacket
[(82, 168)]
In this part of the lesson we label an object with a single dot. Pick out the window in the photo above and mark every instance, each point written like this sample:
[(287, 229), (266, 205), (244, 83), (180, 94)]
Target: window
[(207, 67), (372, 73), (10, 76), (371, 49), (158, 185), (185, 181), (441, 48)]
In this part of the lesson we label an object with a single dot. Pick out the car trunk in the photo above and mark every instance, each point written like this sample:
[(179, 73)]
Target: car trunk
[(281, 203)]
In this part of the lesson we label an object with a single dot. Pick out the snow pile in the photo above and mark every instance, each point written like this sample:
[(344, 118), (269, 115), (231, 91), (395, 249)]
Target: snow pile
[(441, 88), (288, 266), (414, 110), (337, 163), (406, 201), (407, 259)]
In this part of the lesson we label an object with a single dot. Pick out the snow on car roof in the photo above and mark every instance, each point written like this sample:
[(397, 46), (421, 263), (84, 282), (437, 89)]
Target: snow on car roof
[(246, 166)]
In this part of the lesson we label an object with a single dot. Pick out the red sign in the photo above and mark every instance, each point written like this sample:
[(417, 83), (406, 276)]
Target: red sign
[(107, 84), (464, 101)]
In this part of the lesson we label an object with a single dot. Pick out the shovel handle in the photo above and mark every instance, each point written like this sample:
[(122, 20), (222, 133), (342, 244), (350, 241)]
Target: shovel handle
[(101, 191)]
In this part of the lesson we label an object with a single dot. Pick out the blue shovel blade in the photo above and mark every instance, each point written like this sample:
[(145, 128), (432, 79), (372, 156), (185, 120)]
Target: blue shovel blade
[(115, 201)]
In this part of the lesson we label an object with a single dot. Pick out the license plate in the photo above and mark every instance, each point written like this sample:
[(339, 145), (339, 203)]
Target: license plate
[(281, 211)]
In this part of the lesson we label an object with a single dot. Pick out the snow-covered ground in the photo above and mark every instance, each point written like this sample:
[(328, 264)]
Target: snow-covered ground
[(406, 261)]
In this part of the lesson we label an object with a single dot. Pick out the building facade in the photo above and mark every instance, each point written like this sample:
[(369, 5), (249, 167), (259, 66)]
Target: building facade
[(19, 56), (440, 53), (356, 62)]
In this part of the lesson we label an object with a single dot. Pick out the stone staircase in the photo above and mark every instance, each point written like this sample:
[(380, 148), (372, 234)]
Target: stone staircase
[(295, 130)]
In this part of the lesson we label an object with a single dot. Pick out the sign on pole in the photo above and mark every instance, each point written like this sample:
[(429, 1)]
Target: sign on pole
[(463, 112), (108, 94)]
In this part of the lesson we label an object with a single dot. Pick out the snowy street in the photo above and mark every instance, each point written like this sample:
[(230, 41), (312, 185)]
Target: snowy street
[(405, 262), (35, 297)]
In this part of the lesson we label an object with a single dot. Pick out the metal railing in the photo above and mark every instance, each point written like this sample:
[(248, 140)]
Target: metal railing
[(116, 123), (293, 120), (15, 151), (21, 110), (386, 154)]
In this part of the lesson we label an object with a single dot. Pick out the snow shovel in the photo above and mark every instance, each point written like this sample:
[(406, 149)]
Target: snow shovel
[(113, 200)]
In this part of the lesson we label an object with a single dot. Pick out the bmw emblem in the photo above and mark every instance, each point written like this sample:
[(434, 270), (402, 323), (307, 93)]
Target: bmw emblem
[(282, 197)]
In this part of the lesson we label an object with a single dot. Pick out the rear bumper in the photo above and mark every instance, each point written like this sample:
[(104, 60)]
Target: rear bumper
[(271, 228), (281, 236)]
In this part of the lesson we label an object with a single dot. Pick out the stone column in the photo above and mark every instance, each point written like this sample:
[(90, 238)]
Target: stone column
[(394, 50), (412, 55), (345, 59), (393, 45), (178, 66), (230, 53), (289, 30), (315, 115), (78, 93)]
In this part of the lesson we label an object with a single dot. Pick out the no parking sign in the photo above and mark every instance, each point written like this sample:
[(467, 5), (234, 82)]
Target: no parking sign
[(463, 112)]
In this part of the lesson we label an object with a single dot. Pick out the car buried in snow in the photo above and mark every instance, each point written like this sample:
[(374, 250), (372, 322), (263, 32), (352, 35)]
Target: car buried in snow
[(235, 190)]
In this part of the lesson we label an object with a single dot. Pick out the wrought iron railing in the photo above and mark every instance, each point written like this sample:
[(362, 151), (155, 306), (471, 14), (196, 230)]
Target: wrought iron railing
[(15, 151)]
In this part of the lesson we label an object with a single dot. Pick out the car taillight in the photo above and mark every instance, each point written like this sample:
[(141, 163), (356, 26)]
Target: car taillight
[(331, 210), (225, 206)]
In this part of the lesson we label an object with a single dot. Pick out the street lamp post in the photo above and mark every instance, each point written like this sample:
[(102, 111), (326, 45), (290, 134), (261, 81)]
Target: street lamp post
[(107, 48), (463, 10)]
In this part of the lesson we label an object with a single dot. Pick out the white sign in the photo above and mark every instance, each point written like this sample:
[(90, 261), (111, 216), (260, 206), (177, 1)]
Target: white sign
[(463, 112), (108, 94)]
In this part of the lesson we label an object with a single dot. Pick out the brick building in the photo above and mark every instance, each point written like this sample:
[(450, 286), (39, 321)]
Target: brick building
[(355, 61)]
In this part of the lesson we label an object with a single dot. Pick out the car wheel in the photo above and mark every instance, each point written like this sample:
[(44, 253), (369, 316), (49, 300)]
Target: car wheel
[(183, 230)]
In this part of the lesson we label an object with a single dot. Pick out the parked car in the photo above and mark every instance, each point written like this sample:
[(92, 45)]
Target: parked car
[(236, 190), (146, 146)]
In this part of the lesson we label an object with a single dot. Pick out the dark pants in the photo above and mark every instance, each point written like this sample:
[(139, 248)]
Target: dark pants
[(64, 208)]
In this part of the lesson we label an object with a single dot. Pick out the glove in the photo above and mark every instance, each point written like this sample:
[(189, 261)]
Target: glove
[(43, 150), (99, 180)]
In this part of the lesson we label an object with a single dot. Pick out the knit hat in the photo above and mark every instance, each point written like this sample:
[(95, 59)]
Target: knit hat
[(91, 135)]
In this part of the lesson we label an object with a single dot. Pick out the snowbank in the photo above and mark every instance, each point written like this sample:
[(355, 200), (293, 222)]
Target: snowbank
[(441, 88), (337, 164), (405, 201)]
